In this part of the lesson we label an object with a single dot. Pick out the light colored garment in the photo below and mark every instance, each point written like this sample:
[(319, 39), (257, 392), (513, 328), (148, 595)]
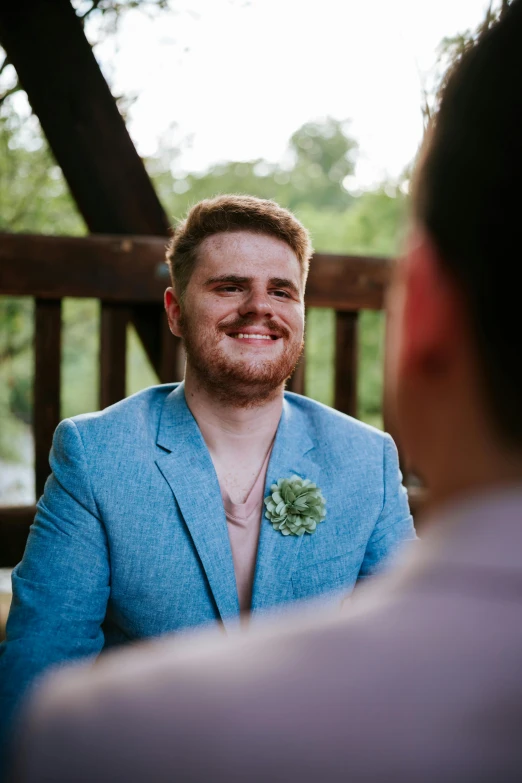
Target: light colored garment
[(244, 522), (130, 538), (420, 682)]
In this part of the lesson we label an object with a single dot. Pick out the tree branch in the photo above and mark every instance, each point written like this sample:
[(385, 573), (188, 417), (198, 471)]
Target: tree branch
[(504, 8), (15, 88)]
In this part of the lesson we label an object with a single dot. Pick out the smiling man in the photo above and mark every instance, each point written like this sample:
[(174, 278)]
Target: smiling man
[(153, 518)]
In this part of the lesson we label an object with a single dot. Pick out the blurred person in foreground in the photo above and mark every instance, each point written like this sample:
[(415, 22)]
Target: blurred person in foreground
[(161, 515), (421, 680)]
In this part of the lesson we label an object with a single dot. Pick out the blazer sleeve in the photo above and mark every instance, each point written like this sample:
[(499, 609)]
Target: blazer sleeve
[(394, 526), (61, 587)]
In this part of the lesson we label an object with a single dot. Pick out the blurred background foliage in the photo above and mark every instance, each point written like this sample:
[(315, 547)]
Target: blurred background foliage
[(314, 180), (34, 198)]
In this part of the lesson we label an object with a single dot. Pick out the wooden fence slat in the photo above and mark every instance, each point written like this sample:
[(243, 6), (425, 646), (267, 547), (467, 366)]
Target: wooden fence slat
[(113, 352), (45, 42), (297, 380), (47, 359), (296, 383), (172, 365), (346, 362), (388, 416)]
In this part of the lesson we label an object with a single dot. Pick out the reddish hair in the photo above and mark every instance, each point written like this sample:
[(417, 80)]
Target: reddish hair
[(233, 213)]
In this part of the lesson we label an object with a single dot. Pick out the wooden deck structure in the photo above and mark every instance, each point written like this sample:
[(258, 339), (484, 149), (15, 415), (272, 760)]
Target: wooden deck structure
[(121, 262), (127, 272)]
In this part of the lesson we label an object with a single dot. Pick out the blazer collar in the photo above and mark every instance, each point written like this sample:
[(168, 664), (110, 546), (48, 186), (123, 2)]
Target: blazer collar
[(292, 454), (190, 473)]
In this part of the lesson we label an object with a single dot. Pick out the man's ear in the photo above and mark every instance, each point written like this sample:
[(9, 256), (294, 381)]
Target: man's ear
[(173, 310), (432, 311)]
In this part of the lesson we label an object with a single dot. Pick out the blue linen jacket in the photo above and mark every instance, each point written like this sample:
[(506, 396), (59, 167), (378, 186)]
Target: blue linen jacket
[(130, 538)]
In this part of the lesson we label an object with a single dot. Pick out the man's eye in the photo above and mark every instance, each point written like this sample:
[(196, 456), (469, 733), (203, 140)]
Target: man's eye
[(281, 294), (229, 289)]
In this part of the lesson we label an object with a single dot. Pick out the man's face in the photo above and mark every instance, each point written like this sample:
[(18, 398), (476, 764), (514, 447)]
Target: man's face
[(242, 317)]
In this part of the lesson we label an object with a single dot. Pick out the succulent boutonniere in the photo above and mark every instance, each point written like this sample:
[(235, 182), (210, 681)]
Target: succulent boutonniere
[(295, 506)]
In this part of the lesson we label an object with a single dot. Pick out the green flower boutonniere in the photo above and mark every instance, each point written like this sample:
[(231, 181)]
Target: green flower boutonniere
[(295, 506)]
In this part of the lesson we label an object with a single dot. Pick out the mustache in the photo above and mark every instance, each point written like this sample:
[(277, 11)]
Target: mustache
[(240, 323)]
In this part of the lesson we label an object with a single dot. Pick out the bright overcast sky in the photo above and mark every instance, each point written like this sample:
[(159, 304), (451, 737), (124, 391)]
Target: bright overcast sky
[(239, 77)]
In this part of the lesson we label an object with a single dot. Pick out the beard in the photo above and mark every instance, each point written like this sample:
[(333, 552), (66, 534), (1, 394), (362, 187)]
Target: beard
[(238, 382)]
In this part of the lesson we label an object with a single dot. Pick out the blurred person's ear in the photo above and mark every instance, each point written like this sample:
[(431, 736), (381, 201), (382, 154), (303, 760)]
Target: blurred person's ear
[(432, 314), (427, 353)]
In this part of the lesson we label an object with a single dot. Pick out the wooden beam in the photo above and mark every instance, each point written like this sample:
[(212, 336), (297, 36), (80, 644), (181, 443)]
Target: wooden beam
[(113, 268), (346, 362), (132, 269), (14, 529), (348, 282), (113, 352), (47, 358), (45, 42)]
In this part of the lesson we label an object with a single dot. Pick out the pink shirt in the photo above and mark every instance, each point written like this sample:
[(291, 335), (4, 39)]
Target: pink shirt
[(244, 523)]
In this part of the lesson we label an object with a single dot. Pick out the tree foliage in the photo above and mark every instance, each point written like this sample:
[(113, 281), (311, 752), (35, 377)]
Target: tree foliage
[(450, 51), (310, 181), (320, 156), (108, 15)]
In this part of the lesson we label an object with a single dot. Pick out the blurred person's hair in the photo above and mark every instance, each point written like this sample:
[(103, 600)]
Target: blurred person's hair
[(233, 213), (467, 194)]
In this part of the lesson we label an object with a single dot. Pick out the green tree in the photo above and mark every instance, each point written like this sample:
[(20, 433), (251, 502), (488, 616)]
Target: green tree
[(322, 155), (34, 198), (450, 52)]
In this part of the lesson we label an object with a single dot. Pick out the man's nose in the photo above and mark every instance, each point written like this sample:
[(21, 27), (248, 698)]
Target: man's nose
[(256, 302)]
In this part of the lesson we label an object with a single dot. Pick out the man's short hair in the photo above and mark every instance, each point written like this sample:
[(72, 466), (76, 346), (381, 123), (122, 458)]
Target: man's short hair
[(467, 195), (233, 213)]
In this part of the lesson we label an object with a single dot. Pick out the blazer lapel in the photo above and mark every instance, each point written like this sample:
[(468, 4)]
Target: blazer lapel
[(276, 554), (190, 473)]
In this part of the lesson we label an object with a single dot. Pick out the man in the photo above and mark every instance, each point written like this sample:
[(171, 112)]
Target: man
[(424, 681), (153, 519)]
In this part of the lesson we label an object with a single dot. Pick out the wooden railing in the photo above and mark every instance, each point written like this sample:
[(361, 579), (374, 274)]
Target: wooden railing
[(123, 272)]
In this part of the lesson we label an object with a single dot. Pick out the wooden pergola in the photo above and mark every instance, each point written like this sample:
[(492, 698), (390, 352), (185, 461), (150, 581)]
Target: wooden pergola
[(121, 263)]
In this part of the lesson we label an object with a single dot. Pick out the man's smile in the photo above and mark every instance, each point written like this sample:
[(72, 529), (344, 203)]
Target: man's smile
[(253, 336)]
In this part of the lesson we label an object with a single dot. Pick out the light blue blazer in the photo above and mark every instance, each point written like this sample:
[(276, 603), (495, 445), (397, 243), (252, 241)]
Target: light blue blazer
[(130, 538)]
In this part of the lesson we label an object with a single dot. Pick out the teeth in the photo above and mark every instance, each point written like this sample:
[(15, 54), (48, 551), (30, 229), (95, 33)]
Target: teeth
[(242, 336)]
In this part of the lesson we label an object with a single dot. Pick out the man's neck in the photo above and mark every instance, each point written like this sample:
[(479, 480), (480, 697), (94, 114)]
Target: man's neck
[(225, 424), (238, 439)]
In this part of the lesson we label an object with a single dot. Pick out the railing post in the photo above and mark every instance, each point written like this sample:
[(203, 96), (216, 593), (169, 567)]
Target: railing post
[(387, 413), (172, 358), (346, 361), (296, 382), (47, 358), (113, 352)]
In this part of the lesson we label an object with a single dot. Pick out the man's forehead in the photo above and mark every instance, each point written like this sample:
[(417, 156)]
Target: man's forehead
[(241, 238), (246, 248)]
